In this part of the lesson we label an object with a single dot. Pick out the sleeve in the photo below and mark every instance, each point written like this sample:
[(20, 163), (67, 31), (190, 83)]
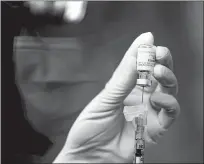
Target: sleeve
[(13, 17)]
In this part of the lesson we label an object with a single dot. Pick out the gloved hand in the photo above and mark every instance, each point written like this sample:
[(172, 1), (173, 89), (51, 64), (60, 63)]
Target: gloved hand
[(101, 134)]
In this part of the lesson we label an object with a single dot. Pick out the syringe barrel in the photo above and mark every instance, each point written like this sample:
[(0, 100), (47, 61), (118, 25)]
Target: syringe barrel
[(139, 139), (139, 151)]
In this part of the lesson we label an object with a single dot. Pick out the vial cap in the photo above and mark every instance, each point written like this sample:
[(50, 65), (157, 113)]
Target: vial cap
[(144, 82)]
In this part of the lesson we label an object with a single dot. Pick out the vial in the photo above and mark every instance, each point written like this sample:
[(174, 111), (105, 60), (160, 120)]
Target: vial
[(146, 57)]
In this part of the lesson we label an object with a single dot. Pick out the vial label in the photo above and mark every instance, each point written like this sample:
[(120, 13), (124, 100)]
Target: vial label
[(139, 160), (146, 59)]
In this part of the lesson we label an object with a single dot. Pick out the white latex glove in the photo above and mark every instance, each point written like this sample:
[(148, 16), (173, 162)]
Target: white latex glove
[(101, 134)]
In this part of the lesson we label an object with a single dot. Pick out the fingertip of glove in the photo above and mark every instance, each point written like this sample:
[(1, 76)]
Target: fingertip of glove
[(147, 37)]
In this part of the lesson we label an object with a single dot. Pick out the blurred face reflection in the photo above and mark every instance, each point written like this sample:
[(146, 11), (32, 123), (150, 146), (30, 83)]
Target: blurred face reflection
[(73, 11)]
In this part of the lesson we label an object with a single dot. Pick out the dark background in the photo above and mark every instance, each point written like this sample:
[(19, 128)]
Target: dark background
[(98, 44)]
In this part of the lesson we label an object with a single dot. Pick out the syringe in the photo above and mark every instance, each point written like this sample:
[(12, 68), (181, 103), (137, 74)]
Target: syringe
[(138, 116), (146, 57)]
